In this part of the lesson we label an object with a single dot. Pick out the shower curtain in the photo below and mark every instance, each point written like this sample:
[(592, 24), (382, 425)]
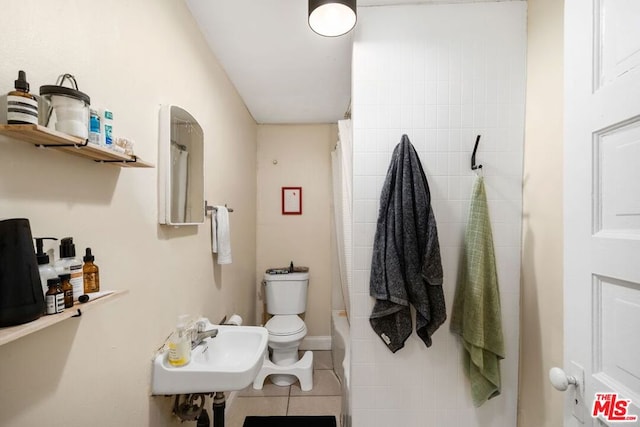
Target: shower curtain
[(341, 165), (179, 183)]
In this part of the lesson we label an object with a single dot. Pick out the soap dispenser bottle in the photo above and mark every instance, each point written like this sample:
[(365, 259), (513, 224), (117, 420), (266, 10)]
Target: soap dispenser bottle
[(69, 264), (90, 273), (180, 344), (44, 267)]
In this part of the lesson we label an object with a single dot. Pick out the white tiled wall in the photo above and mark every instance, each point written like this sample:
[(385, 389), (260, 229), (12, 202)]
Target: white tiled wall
[(441, 74)]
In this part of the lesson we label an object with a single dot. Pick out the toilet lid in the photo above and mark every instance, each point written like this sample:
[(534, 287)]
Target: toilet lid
[(281, 325)]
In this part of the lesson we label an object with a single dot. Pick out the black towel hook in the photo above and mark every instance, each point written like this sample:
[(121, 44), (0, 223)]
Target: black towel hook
[(473, 156)]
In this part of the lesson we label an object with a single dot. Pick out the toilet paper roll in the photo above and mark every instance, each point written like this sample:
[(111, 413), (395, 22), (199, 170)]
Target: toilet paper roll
[(235, 319)]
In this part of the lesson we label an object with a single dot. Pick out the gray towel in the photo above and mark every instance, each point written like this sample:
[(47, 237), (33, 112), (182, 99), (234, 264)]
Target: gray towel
[(406, 266)]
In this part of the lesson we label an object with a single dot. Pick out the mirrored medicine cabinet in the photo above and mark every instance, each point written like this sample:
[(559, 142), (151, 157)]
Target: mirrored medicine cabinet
[(181, 168)]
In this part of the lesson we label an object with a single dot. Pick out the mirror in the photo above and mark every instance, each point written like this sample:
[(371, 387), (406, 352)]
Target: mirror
[(180, 168)]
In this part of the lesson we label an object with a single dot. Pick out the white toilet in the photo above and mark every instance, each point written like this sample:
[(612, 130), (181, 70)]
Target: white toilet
[(286, 297)]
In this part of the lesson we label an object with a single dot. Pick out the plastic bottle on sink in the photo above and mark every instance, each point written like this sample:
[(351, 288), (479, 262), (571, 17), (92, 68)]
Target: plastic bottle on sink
[(180, 343)]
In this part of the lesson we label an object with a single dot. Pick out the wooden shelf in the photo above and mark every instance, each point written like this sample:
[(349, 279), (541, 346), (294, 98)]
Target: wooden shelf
[(44, 137), (12, 333)]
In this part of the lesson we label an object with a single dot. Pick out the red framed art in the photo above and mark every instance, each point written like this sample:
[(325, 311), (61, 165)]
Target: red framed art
[(291, 200)]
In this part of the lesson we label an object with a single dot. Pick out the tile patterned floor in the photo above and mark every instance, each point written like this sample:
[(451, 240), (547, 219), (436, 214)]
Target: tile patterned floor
[(323, 399)]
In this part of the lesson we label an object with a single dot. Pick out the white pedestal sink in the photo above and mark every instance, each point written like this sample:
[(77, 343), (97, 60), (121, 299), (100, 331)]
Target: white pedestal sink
[(228, 362)]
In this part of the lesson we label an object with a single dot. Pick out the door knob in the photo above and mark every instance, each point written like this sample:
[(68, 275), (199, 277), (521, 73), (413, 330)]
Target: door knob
[(560, 380)]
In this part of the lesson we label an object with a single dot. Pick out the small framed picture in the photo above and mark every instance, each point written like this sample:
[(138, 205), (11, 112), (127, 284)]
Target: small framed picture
[(291, 200)]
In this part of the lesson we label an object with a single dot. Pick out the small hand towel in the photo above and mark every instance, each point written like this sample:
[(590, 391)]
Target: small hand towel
[(476, 316), (221, 235), (214, 233)]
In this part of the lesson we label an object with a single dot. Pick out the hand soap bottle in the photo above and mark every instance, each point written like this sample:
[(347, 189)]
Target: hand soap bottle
[(44, 267), (69, 264), (180, 344)]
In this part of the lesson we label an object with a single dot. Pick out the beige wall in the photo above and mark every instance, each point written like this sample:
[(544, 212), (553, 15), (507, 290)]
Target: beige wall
[(130, 56), (303, 155), (541, 310)]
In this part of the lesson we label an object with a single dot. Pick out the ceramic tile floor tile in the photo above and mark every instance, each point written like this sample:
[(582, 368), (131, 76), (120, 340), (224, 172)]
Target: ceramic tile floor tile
[(315, 405), (324, 399), (321, 359), (263, 406), (268, 389), (325, 383)]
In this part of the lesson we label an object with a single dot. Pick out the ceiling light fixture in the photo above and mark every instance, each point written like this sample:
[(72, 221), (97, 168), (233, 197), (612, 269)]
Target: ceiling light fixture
[(332, 18)]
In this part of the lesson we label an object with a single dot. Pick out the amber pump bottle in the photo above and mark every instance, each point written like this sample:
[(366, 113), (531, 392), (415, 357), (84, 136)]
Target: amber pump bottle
[(91, 273)]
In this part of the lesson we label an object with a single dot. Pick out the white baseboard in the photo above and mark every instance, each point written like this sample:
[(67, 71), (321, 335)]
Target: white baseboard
[(321, 342)]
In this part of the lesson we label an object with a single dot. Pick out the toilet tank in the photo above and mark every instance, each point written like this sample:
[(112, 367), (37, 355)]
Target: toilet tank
[(286, 293)]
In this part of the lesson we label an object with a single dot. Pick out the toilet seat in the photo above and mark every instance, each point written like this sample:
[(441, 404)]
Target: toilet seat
[(285, 325)]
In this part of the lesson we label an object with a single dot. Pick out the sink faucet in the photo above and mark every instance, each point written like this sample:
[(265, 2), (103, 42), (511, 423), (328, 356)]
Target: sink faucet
[(200, 335)]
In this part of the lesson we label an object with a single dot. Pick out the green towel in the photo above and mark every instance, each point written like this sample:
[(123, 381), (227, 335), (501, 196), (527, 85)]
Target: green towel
[(476, 306)]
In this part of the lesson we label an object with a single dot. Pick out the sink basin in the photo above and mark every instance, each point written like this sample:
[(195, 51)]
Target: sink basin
[(230, 361)]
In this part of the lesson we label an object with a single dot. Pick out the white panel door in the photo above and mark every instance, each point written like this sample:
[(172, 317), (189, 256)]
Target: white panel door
[(602, 211)]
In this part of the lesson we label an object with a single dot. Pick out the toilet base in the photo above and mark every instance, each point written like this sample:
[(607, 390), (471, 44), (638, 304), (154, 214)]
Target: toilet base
[(283, 380), (285, 374)]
